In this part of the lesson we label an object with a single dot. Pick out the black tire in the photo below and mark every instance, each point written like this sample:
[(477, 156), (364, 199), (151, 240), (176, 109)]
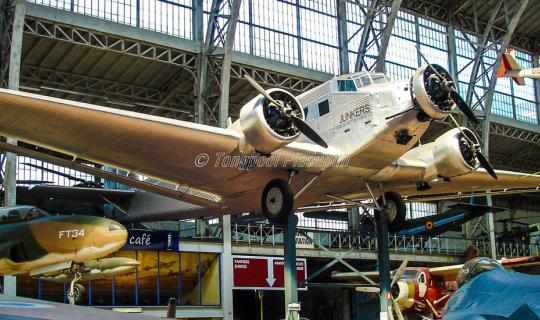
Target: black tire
[(277, 201), (396, 218)]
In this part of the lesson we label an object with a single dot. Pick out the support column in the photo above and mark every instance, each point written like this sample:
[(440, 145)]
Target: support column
[(289, 248), (537, 88), (227, 267), (452, 58), (227, 271), (343, 37), (354, 218), (383, 256), (490, 222), (226, 64), (375, 37), (10, 178), (488, 104)]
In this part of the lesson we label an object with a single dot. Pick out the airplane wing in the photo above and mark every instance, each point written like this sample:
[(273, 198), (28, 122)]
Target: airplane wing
[(475, 182), (449, 273), (182, 153), (356, 276)]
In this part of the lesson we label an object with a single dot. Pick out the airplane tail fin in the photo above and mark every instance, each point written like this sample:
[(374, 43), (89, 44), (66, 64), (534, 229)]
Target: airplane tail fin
[(509, 63)]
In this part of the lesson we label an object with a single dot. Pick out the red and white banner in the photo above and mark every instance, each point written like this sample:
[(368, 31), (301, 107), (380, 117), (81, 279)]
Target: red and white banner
[(263, 273)]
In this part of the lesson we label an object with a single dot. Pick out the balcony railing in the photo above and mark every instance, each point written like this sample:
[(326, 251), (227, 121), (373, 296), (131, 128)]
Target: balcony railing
[(260, 234)]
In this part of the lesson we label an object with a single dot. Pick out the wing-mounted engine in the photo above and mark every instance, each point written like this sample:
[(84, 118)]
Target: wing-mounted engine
[(434, 92), (456, 152), (267, 126)]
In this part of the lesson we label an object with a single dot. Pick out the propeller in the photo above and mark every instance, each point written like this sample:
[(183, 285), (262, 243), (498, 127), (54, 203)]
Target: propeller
[(399, 272), (470, 149), (485, 164), (283, 118), (395, 279), (397, 275), (448, 86)]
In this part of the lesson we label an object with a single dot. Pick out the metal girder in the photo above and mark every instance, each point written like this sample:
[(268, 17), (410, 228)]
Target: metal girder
[(2, 173), (273, 79), (380, 17), (39, 77), (6, 24), (220, 32), (464, 21), (514, 133), (512, 15), (111, 92), (72, 34), (512, 162), (482, 68)]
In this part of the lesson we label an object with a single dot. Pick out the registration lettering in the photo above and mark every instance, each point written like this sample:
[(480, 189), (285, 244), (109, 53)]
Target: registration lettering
[(70, 234)]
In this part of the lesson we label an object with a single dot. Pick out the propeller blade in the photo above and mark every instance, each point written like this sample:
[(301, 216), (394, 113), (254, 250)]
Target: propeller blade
[(485, 164), (463, 106), (261, 90), (310, 133), (397, 309), (367, 289), (399, 272)]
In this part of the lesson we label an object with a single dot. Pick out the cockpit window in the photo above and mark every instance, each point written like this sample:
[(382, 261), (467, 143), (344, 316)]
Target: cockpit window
[(474, 267), (22, 213), (422, 278), (366, 81), (378, 78), (346, 85)]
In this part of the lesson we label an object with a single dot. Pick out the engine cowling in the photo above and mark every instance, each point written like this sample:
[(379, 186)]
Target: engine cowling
[(452, 153), (430, 92), (402, 295), (263, 126)]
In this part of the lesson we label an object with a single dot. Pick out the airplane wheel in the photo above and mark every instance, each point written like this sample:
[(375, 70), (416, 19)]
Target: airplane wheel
[(78, 292), (396, 210), (277, 201)]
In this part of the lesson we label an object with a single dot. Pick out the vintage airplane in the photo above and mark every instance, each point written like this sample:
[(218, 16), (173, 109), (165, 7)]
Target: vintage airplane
[(428, 226), (424, 290), (511, 68), (368, 127), (487, 292), (60, 248)]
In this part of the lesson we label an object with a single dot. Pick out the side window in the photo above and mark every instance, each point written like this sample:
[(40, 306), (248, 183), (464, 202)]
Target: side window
[(324, 108), (422, 278), (306, 112)]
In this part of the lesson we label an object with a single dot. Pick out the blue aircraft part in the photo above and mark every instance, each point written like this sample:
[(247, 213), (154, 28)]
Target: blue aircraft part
[(436, 223), (496, 294)]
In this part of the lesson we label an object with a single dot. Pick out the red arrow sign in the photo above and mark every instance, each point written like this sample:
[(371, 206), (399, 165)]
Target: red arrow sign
[(263, 273)]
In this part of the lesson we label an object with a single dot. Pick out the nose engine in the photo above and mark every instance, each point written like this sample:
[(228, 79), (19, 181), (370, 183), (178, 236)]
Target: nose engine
[(400, 293), (433, 91)]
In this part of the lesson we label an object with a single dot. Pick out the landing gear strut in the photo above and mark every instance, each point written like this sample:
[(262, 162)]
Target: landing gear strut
[(277, 201), (76, 290)]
